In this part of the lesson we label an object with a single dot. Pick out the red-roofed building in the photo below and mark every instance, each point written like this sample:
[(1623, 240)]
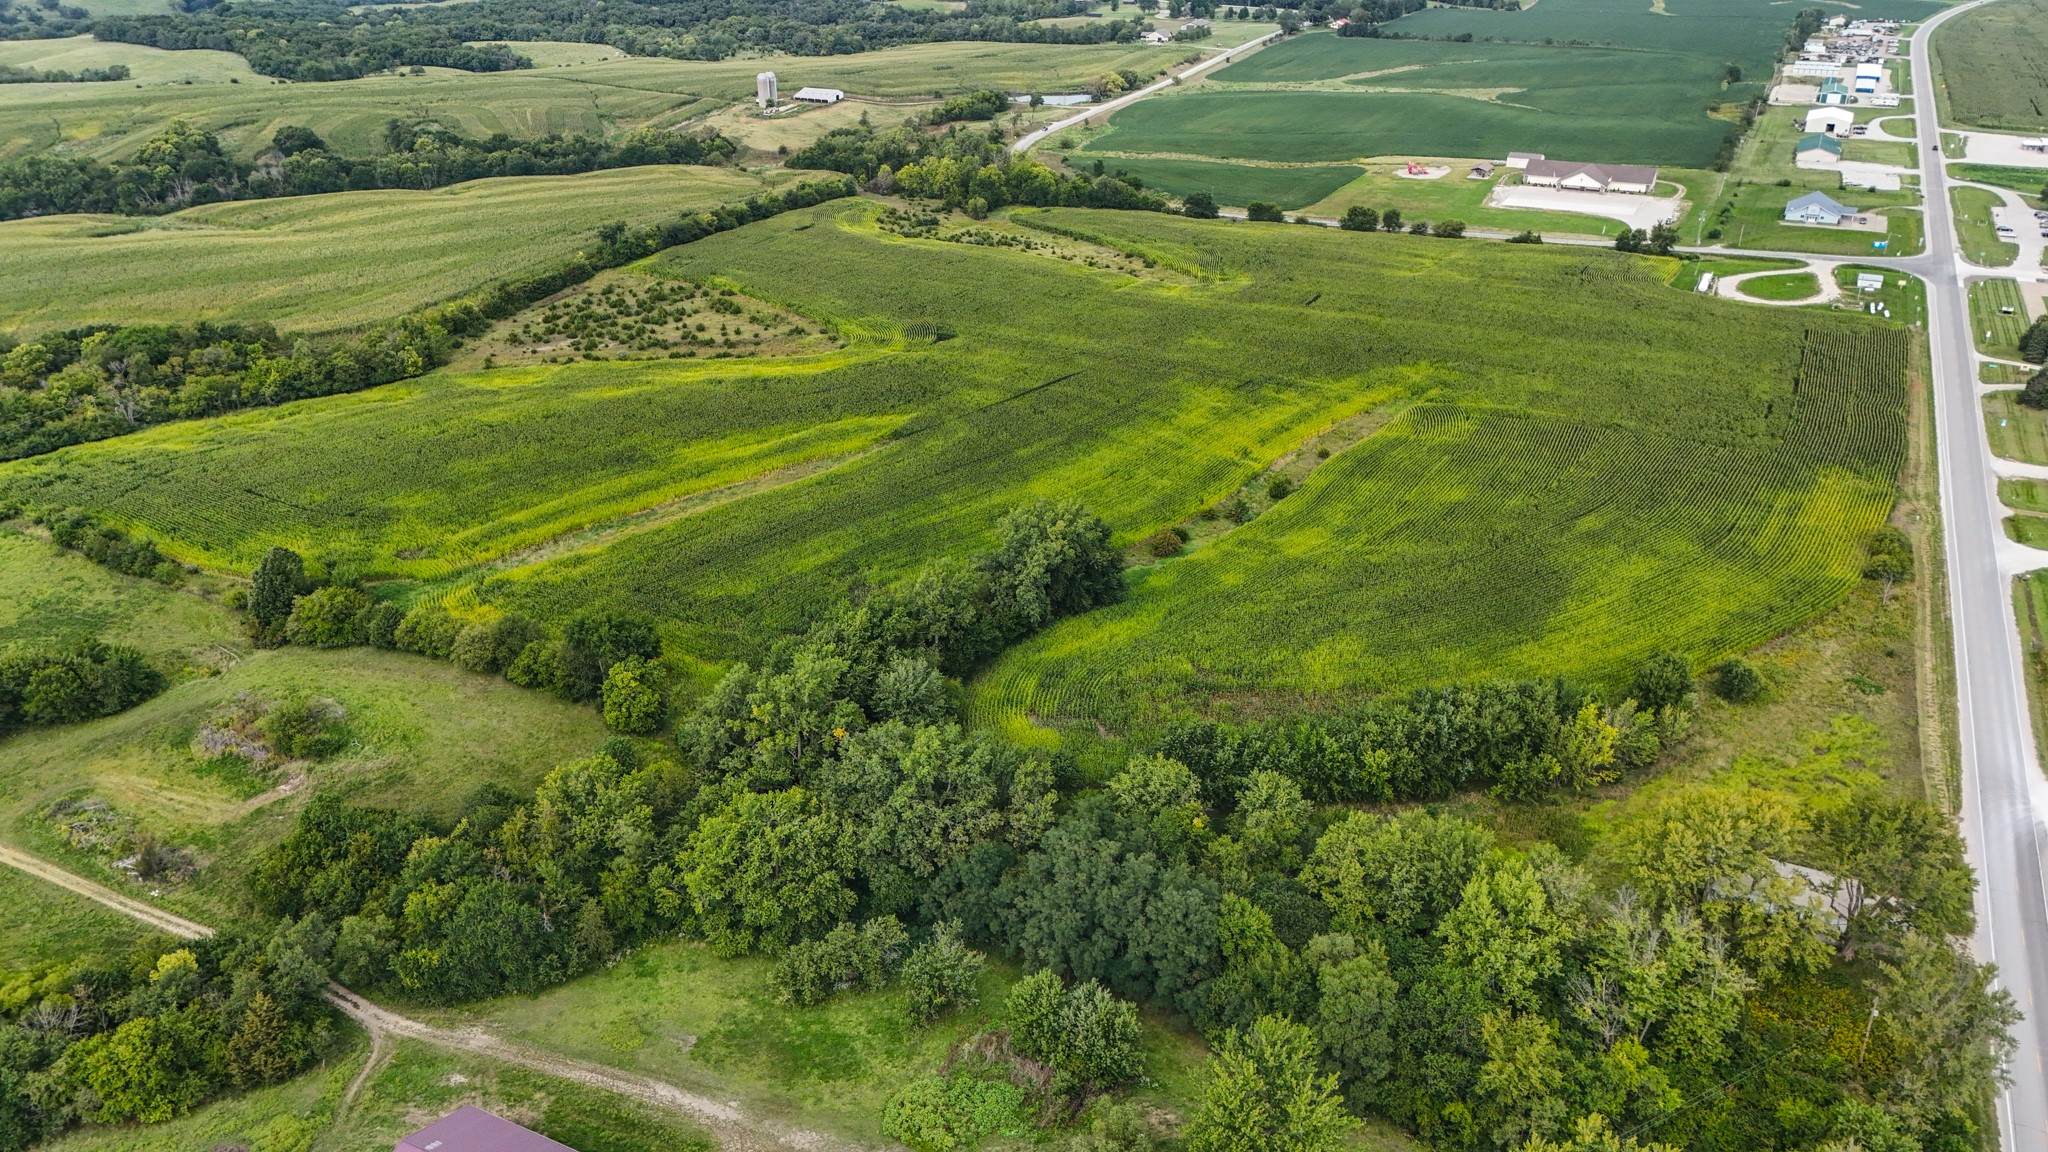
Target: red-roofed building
[(470, 1129)]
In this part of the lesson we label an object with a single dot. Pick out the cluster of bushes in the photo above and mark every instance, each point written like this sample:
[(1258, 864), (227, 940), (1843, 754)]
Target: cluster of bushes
[(183, 165), (9, 74), (299, 727), (110, 547), (964, 169), (299, 40), (938, 976), (1519, 739), (1658, 241), (1359, 218), (982, 104), (68, 685), (153, 1035)]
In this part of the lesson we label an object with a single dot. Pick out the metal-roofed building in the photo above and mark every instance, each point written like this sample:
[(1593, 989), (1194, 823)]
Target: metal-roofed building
[(469, 1129)]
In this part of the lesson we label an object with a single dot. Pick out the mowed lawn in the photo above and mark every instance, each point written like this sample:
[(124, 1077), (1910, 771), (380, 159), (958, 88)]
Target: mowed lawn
[(331, 262), (1989, 62), (1501, 521)]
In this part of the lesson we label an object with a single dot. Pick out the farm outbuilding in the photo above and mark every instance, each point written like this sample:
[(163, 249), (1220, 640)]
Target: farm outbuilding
[(819, 95), (1817, 208), (471, 1129), (1817, 151), (1832, 91), (1834, 121)]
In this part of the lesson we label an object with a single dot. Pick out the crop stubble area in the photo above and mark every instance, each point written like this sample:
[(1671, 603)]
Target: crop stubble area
[(1582, 466)]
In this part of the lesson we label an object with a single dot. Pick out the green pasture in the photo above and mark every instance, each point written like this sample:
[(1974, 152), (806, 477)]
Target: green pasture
[(1149, 401), (1988, 62), (112, 120), (2017, 433), (1789, 286), (2028, 182), (1896, 153), (324, 263), (1998, 317), (1291, 187), (1976, 230), (147, 66), (561, 53), (42, 924), (1323, 97)]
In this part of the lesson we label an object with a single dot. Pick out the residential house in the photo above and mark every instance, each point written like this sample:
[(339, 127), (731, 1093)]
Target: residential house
[(1817, 208)]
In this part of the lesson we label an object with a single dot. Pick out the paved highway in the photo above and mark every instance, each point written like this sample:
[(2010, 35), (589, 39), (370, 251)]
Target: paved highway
[(2001, 808)]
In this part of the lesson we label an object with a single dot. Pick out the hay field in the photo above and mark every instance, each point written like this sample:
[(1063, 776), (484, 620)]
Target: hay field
[(147, 66), (331, 262)]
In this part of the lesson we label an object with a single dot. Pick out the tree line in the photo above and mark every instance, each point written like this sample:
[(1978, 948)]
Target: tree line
[(297, 40), (99, 381), (183, 166), (964, 169), (10, 74)]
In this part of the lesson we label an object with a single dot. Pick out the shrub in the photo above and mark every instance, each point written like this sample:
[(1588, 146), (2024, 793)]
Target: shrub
[(632, 697), (811, 971), (1527, 236), (428, 630), (1359, 218), (1737, 681), (1890, 556), (1664, 678), (1449, 229), (329, 617), (1264, 213), (941, 1115), (1088, 1037), (941, 975), (305, 728), (1164, 543), (2034, 343), (380, 625), (2035, 393), (1199, 205), (1279, 488), (543, 664), (83, 682)]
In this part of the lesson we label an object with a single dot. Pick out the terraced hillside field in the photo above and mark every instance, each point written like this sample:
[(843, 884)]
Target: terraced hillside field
[(332, 262), (1545, 458)]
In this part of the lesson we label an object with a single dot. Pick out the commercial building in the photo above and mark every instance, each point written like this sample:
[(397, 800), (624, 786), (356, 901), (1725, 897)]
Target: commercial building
[(1817, 151), (1834, 121), (1832, 91), (1635, 178), (1520, 160)]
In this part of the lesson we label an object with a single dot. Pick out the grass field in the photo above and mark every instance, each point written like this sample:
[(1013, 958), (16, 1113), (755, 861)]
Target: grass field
[(1976, 231), (2024, 495), (323, 263), (1998, 317), (562, 53), (112, 120), (1990, 373), (1989, 61), (1905, 296), (42, 924), (1149, 402), (1791, 286), (1748, 205), (1289, 186), (2029, 182), (146, 66), (2017, 433)]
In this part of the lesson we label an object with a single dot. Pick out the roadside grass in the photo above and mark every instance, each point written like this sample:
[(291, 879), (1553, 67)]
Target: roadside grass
[(42, 924), (1904, 296), (1998, 317), (2024, 494), (110, 121), (1896, 153), (1998, 373), (1233, 184), (2028, 182), (2029, 530), (1989, 62), (1686, 275), (1791, 286), (2017, 433), (1976, 229), (151, 66), (1054, 387), (331, 262)]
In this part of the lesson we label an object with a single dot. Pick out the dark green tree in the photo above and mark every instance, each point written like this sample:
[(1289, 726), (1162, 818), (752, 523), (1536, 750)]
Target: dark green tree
[(279, 579), (1199, 205), (1264, 212), (1359, 218)]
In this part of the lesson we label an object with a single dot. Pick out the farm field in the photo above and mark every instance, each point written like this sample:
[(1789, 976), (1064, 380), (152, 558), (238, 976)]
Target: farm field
[(152, 66), (111, 121), (1290, 186), (1044, 391), (330, 262), (1976, 230), (1989, 64)]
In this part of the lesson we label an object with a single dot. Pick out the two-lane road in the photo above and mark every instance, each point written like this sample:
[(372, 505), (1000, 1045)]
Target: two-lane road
[(2001, 816)]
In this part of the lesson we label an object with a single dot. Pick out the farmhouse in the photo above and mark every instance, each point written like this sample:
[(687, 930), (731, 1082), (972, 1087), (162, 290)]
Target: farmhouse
[(1520, 160), (819, 95), (1832, 91), (1834, 121), (1817, 208), (471, 1129), (1817, 151), (1542, 173), (1156, 37)]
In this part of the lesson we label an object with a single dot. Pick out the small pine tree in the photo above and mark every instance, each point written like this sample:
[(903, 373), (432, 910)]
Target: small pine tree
[(279, 578), (260, 1051)]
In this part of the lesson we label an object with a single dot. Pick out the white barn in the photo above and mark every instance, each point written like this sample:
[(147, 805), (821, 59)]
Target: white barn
[(819, 95)]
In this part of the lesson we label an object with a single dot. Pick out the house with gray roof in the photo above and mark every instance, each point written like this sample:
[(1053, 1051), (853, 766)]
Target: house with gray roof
[(1817, 208)]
